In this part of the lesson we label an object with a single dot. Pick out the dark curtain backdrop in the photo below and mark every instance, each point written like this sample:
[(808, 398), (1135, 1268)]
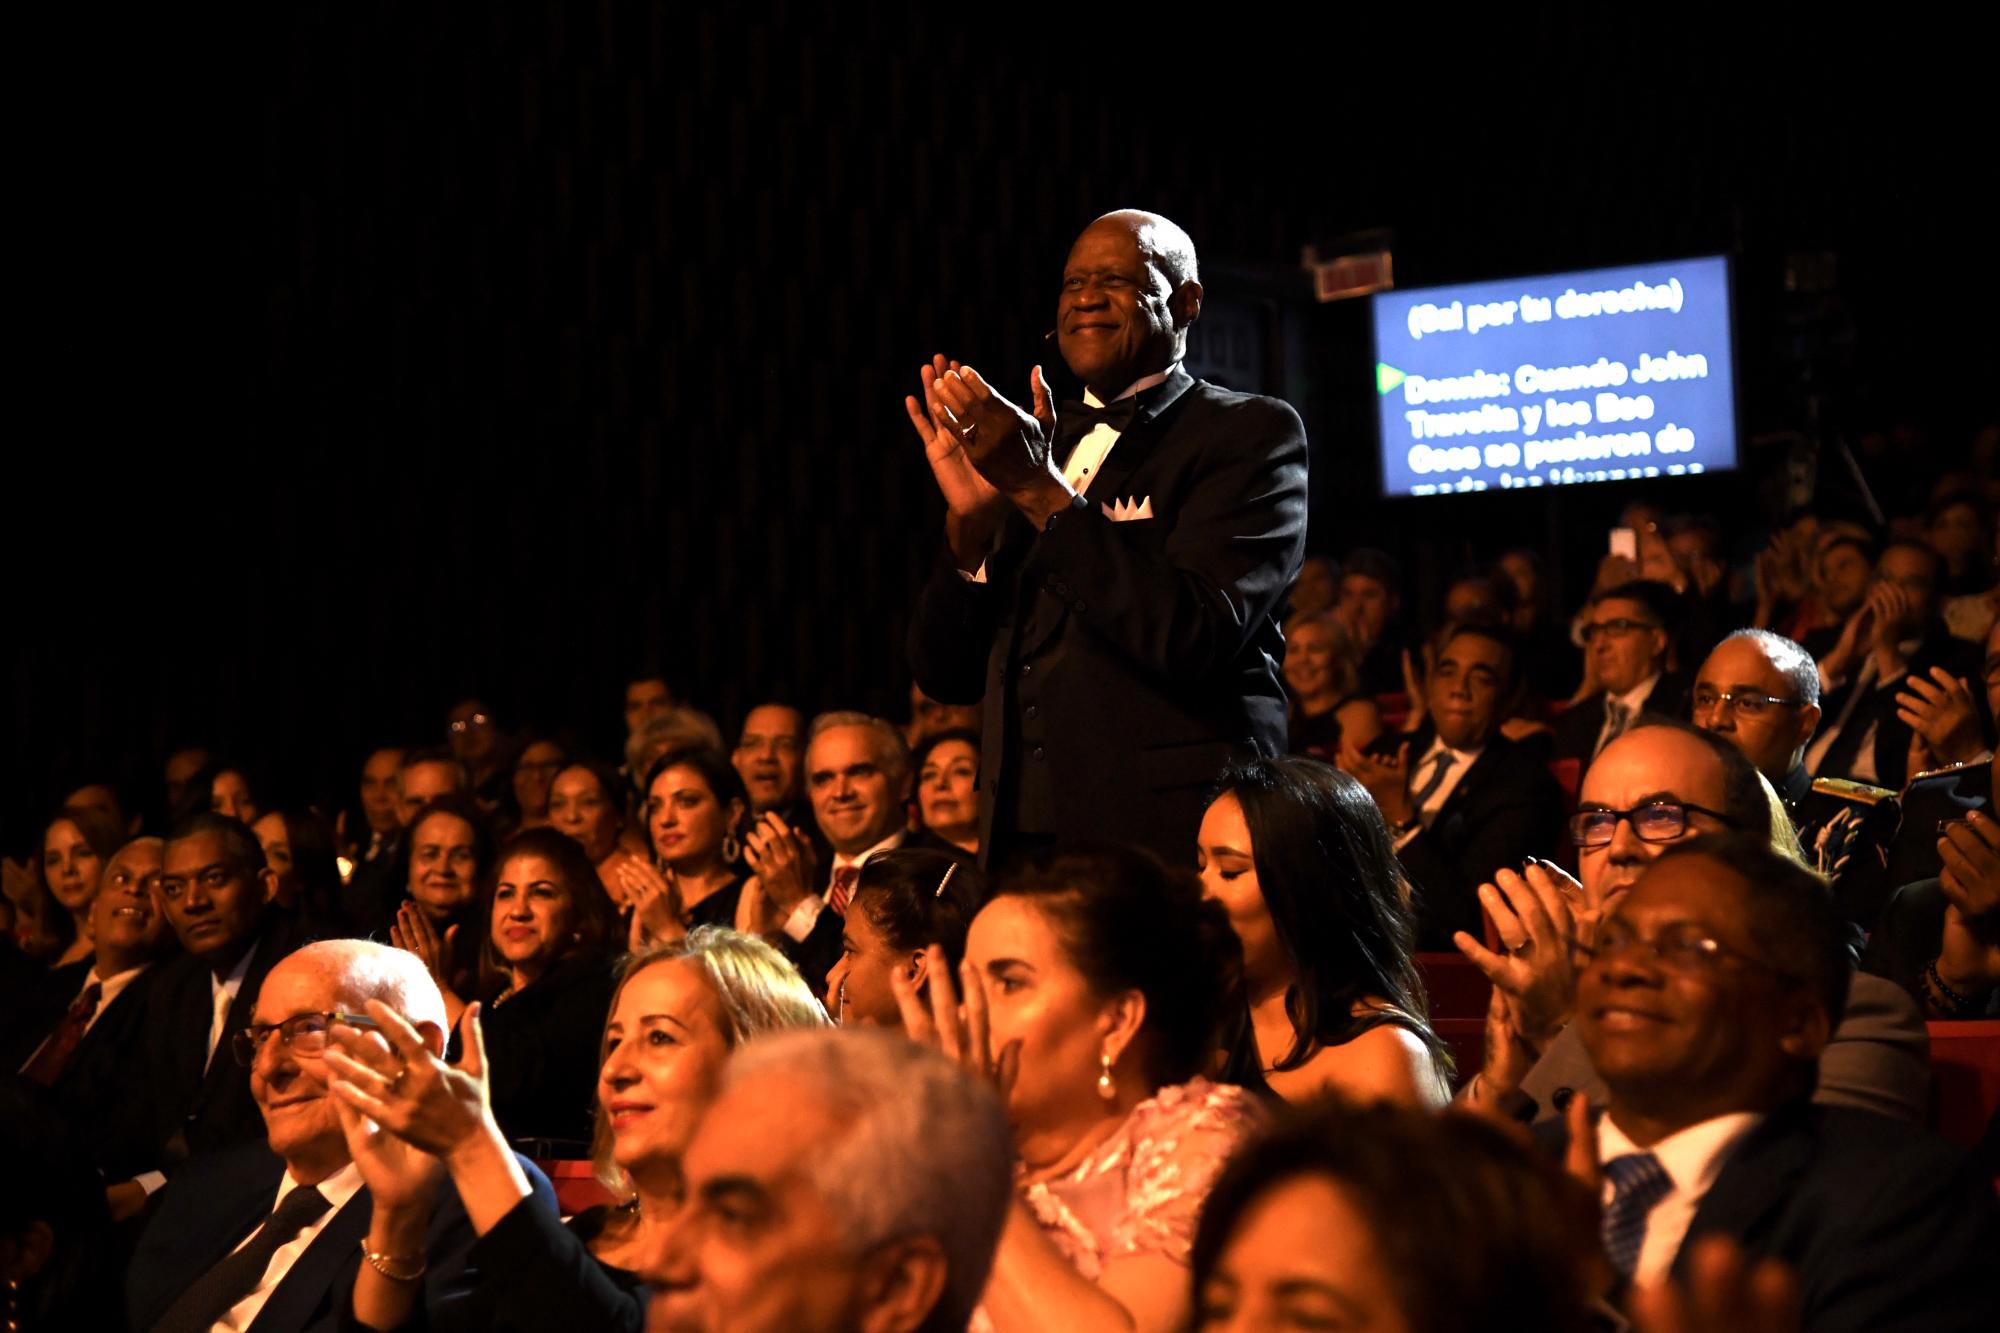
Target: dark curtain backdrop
[(394, 353)]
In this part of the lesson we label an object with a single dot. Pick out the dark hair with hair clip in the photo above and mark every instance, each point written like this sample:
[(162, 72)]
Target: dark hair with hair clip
[(917, 897)]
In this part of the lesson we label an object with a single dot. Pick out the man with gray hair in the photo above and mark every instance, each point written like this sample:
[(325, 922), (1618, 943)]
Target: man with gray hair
[(857, 776), (274, 1234), (843, 1180), (1760, 692)]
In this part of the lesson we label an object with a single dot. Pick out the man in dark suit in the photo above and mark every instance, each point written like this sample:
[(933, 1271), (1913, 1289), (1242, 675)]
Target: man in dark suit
[(1894, 637), (214, 890), (273, 1235), (1712, 988), (857, 776), (1627, 632), (1461, 799), (91, 1055), (1653, 788), (1112, 576)]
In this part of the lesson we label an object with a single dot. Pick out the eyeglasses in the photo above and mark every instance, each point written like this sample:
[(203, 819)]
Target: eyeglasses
[(302, 1034), (1680, 948), (1747, 703), (1619, 626), (1656, 821), (459, 726)]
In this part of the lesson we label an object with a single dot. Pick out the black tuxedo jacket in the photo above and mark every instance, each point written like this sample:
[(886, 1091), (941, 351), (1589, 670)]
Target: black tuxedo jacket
[(1504, 809), (190, 1104), (1877, 708), (217, 1200), (1885, 1225), (1576, 728), (1124, 664)]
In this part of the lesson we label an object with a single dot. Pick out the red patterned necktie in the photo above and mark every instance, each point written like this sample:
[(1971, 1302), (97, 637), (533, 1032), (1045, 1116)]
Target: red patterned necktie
[(47, 1065), (842, 888)]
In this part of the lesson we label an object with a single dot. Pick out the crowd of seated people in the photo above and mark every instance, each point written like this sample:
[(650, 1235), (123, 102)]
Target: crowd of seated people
[(1719, 839)]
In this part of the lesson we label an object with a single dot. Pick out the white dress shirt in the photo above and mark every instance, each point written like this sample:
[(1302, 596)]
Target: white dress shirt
[(338, 1188), (1633, 700), (800, 923), (1420, 773), (222, 994), (1087, 459), (1692, 1159)]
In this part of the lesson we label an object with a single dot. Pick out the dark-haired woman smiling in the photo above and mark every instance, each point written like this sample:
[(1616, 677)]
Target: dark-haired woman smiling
[(1298, 855), (546, 975)]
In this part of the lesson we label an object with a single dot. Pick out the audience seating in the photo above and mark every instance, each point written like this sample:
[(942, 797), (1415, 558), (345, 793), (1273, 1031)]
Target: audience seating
[(576, 1184), (1965, 1071), (1456, 987), (1467, 1039)]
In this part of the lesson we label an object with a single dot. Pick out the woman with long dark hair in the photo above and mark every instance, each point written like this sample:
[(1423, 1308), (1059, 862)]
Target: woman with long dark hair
[(1298, 855)]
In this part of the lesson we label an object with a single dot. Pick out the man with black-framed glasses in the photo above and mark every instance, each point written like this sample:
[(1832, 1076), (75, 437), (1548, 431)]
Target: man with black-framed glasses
[(1705, 1002), (1627, 632), (1655, 788), (278, 1234)]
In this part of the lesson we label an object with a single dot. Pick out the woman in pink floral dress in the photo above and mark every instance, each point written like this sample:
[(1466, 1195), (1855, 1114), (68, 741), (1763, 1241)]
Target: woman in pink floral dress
[(1100, 991)]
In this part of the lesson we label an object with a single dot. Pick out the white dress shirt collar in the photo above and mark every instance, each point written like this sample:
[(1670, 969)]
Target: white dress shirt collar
[(337, 1189), (1635, 698), (1140, 385), (112, 985), (888, 844), (1692, 1158)]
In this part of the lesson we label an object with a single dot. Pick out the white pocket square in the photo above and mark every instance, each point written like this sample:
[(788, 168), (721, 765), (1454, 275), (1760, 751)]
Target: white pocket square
[(1124, 511)]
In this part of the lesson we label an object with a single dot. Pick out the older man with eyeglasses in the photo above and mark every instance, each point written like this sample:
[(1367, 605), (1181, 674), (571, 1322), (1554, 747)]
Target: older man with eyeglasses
[(1705, 1002), (274, 1234), (1657, 786)]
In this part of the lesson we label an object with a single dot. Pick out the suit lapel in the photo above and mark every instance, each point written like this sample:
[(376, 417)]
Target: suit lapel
[(240, 1201), (314, 1274), (1475, 778), (1038, 615), (1756, 1182), (1135, 442)]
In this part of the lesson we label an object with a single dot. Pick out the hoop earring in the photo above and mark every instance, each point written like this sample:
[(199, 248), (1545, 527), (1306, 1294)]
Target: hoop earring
[(731, 848), (1105, 1087)]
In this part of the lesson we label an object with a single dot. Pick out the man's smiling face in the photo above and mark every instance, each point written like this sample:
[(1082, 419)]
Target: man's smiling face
[(291, 1088), (1114, 320)]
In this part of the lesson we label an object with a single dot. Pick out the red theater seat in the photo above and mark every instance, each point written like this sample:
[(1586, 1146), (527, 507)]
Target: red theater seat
[(577, 1186), (1457, 989), (1965, 1069), (1467, 1039)]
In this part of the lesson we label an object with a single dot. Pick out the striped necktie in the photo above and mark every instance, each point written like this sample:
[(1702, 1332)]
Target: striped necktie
[(1638, 1182)]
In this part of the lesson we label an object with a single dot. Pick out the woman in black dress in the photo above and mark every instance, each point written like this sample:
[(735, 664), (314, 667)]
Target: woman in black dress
[(694, 807), (546, 972)]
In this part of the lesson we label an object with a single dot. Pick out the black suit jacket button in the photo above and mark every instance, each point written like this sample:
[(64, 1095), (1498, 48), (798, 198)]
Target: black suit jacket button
[(1081, 608), (1027, 667), (1039, 754), (1034, 711)]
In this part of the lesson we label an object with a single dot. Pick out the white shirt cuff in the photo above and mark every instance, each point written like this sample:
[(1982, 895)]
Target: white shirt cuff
[(150, 1182), (976, 576), (800, 923)]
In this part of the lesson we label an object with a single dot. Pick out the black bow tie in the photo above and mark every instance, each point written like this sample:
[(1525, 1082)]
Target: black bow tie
[(1074, 420)]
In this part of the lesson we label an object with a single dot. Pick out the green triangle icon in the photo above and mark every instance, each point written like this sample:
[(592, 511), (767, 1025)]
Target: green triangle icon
[(1387, 377)]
